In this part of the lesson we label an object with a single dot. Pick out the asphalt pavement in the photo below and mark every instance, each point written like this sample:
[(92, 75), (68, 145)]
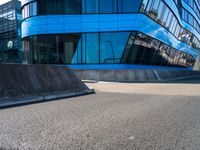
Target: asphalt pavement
[(120, 116)]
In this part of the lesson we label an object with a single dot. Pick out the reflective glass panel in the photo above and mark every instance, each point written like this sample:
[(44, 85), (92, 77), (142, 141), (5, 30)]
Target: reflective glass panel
[(112, 46), (90, 48)]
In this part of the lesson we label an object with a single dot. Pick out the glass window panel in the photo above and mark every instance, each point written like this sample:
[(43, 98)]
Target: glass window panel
[(174, 27), (31, 9), (108, 6), (160, 12), (34, 9), (72, 6), (128, 6), (90, 6), (78, 52), (25, 12), (156, 4), (90, 48), (69, 45), (169, 20), (112, 46), (164, 19), (173, 19), (144, 5), (148, 9)]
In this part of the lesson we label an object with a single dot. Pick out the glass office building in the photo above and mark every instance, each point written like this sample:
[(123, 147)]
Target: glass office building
[(114, 33), (10, 33)]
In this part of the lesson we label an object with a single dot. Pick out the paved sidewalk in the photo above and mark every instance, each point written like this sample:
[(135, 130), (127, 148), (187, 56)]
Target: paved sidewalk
[(176, 88)]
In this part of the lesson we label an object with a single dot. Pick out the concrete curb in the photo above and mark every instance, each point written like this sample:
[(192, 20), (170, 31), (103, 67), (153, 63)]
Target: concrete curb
[(40, 99), (135, 75), (180, 78)]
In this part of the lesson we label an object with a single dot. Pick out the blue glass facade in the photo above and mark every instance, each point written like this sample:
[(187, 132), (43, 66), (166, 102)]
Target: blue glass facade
[(92, 32)]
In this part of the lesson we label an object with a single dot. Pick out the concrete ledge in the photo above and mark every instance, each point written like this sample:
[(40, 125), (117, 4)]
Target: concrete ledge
[(25, 84), (135, 75), (38, 99)]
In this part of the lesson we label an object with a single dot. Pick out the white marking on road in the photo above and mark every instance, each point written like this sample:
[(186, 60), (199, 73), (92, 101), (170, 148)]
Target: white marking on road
[(132, 138)]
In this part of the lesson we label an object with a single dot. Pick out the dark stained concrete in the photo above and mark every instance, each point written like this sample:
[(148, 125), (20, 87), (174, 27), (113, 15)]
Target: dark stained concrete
[(33, 83)]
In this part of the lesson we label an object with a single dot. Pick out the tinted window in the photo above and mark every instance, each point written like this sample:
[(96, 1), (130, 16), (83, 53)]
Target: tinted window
[(90, 6), (126, 6), (108, 6), (90, 51), (112, 46)]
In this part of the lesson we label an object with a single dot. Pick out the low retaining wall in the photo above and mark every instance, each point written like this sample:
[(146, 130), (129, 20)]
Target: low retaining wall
[(23, 84), (135, 75)]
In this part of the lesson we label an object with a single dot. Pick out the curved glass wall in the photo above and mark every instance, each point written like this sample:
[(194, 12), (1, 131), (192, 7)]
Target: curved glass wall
[(146, 50), (157, 10), (102, 48), (110, 47), (49, 7), (46, 7), (193, 4), (29, 10), (190, 19), (162, 14)]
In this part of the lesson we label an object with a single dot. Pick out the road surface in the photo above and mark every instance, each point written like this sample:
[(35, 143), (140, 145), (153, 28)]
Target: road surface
[(119, 116)]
